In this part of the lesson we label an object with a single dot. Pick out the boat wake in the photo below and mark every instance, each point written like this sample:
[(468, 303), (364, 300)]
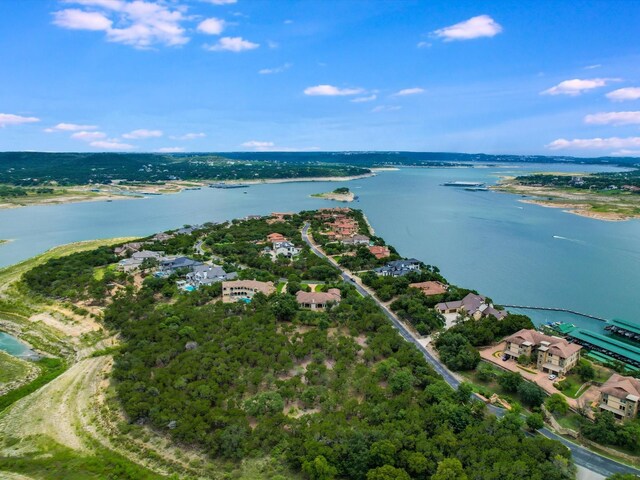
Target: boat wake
[(558, 237)]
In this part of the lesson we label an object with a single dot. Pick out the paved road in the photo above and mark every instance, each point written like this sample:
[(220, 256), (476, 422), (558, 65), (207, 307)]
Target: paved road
[(581, 456)]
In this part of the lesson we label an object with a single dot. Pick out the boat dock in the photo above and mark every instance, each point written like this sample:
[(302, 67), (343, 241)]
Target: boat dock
[(555, 309)]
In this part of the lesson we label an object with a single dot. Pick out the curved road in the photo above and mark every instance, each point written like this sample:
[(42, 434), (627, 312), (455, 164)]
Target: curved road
[(581, 456)]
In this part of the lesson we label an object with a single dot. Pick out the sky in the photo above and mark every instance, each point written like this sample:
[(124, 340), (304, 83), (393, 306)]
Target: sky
[(549, 77)]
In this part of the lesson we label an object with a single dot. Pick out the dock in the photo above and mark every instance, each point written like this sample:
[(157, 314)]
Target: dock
[(556, 309)]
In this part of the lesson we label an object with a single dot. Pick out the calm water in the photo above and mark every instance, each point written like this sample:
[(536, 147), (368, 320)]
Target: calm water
[(14, 347), (513, 252)]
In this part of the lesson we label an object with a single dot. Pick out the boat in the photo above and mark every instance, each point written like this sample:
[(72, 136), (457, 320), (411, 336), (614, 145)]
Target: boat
[(458, 183)]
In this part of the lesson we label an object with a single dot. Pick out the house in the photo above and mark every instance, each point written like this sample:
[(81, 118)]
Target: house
[(276, 237), (208, 274), (554, 354), (398, 268), (280, 216), (318, 300), (620, 395), (286, 249), (356, 240), (188, 230), (244, 290), (161, 237), (475, 306), (430, 288), (172, 265), (123, 250), (345, 227), (379, 251), (137, 259)]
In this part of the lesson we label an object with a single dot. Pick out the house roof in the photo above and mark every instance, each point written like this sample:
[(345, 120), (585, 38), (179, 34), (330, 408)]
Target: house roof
[(180, 262), (332, 295), (265, 287), (557, 346), (621, 387)]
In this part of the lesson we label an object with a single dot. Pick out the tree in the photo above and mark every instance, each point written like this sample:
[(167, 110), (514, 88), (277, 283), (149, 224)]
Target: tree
[(463, 394), (556, 403), (449, 469), (382, 453), (585, 370), (510, 381), (535, 422), (387, 472), (284, 307), (401, 381), (485, 372), (319, 469), (531, 394)]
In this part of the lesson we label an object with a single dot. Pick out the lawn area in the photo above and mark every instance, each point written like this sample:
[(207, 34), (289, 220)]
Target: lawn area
[(486, 389), (570, 420), (575, 389), (12, 368)]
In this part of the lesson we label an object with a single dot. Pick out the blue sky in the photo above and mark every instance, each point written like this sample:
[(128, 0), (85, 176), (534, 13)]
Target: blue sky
[(528, 77)]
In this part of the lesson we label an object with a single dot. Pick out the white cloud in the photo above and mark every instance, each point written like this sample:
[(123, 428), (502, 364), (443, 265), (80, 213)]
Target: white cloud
[(614, 143), (69, 127), (143, 133), (170, 150), (626, 153), (385, 108), (111, 145), (140, 23), (11, 119), (260, 146), (592, 67), (75, 19), (476, 27), (622, 94), (613, 118), (88, 136), (188, 136), (423, 44), (331, 91), (370, 98), (221, 2), (409, 91), (232, 44), (211, 26), (280, 69), (577, 86)]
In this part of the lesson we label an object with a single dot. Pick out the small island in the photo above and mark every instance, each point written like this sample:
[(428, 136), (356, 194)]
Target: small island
[(342, 194)]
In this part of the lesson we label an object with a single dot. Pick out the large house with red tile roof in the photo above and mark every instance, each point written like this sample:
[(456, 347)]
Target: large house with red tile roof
[(555, 354), (620, 395)]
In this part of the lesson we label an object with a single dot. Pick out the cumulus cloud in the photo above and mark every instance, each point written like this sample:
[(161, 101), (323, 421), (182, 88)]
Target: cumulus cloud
[(261, 146), (143, 133), (140, 23), (409, 91), (270, 71), (613, 118), (170, 150), (385, 108), (258, 145), (370, 98), (211, 26), (111, 145), (232, 44), (476, 27), (623, 94), (88, 136), (614, 143), (188, 136), (331, 91), (423, 44), (69, 127), (11, 119), (577, 86)]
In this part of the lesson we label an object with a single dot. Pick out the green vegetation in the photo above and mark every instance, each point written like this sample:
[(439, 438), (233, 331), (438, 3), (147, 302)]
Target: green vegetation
[(599, 182), (335, 394), (12, 368), (607, 431), (342, 191), (50, 368), (37, 168)]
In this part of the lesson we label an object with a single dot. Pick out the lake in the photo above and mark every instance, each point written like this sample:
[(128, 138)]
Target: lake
[(14, 347), (513, 252)]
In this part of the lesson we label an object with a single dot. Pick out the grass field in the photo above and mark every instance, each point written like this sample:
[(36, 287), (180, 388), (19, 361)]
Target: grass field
[(12, 368)]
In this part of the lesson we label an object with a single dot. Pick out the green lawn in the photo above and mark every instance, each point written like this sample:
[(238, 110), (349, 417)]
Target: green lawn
[(570, 420)]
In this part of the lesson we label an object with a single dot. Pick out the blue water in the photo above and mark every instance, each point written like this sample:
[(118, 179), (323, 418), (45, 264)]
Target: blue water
[(513, 252), (14, 347)]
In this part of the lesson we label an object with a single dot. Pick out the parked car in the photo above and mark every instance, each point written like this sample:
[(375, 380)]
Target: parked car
[(504, 358), (552, 377)]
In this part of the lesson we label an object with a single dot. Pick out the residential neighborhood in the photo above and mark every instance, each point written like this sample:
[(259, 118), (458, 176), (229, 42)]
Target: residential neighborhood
[(244, 290), (473, 305), (318, 300)]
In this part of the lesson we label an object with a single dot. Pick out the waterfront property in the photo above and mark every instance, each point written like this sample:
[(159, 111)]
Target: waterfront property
[(344, 227), (475, 306), (398, 268), (137, 259), (244, 290), (554, 354), (624, 328), (606, 346), (620, 395), (127, 248), (431, 287), (207, 274), (379, 251), (318, 300), (356, 240), (172, 265)]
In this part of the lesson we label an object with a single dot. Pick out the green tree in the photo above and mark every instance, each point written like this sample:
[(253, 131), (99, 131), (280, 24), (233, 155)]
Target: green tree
[(319, 469), (557, 403), (449, 469), (535, 422), (284, 307), (510, 381), (531, 394), (387, 472), (382, 453), (485, 372), (585, 370)]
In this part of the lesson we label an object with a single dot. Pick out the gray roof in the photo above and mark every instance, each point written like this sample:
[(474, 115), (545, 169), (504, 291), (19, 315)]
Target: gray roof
[(179, 262)]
